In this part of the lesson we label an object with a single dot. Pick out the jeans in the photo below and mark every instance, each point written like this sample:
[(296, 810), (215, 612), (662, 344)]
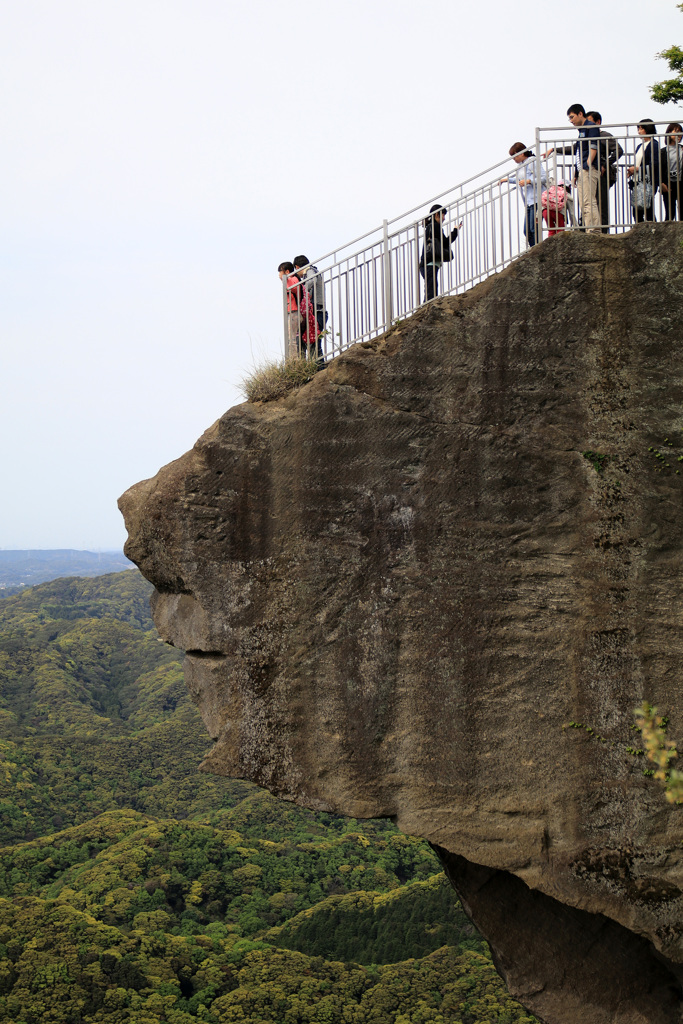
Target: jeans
[(530, 225)]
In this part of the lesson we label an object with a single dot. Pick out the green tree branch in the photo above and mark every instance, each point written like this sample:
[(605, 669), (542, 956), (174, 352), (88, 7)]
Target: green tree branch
[(660, 751), (671, 90)]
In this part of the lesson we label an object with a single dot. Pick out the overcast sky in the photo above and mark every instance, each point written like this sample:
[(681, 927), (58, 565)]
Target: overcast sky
[(161, 157)]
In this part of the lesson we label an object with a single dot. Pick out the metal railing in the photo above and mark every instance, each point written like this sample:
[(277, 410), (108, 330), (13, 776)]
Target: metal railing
[(360, 289)]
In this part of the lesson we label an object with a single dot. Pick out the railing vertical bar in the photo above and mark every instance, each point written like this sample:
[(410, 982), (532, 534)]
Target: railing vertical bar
[(285, 317), (376, 324), (538, 230), (386, 267)]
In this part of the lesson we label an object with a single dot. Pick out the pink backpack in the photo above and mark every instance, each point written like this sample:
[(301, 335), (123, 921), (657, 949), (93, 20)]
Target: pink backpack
[(554, 198)]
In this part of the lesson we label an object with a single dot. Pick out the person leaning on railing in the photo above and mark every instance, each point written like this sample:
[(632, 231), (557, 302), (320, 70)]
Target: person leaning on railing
[(293, 316), (671, 171), (315, 287), (525, 177), (437, 249), (644, 173)]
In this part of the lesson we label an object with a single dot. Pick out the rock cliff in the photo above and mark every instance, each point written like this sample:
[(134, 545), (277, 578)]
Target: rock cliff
[(405, 590)]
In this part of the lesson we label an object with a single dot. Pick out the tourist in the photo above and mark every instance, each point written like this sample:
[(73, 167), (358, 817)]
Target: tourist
[(553, 207), (308, 324), (644, 173), (609, 154), (437, 249), (315, 287), (286, 270), (671, 165), (525, 177), (587, 166)]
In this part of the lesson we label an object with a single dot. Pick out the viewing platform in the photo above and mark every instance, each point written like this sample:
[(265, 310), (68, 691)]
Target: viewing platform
[(374, 280)]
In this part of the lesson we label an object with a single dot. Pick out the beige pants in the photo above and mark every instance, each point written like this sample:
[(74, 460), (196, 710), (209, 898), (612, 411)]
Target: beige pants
[(293, 339), (588, 198)]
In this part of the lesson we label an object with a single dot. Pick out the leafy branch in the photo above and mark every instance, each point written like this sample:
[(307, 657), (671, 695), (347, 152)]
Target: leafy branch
[(671, 90), (660, 751)]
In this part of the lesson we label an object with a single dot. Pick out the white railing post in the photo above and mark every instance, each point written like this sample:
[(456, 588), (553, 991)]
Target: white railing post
[(285, 317), (538, 190), (386, 266)]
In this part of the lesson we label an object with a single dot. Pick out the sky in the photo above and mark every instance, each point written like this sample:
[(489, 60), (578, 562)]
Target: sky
[(162, 157)]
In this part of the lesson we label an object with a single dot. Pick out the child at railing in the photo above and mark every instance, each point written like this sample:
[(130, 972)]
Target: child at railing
[(525, 177), (553, 204)]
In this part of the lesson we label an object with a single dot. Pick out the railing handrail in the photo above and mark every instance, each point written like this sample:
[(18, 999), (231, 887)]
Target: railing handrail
[(401, 216), (447, 191), (603, 124), (565, 128)]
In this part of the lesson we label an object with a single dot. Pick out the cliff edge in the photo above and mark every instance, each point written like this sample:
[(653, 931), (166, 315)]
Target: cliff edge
[(434, 584)]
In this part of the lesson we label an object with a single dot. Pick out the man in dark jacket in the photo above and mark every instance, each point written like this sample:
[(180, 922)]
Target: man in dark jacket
[(609, 154), (587, 166)]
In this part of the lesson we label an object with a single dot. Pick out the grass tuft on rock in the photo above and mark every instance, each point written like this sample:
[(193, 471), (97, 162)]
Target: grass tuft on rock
[(271, 380)]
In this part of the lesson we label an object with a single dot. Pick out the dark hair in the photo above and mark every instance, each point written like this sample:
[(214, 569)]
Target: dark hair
[(594, 115), (649, 126), (289, 267), (301, 261), (519, 147), (576, 108), (674, 127), (436, 208)]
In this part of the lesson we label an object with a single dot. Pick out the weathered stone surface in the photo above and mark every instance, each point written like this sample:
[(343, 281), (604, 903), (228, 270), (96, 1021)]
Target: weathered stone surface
[(398, 586)]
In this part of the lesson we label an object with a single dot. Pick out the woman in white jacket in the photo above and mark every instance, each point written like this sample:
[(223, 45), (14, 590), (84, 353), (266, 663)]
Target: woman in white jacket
[(525, 177)]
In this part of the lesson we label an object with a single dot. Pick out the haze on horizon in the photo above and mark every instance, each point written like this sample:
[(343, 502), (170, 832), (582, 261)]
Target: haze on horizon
[(163, 157)]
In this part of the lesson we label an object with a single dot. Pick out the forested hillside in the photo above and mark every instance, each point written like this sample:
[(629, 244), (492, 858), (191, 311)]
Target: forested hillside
[(381, 928), (135, 889), (92, 709), (128, 918)]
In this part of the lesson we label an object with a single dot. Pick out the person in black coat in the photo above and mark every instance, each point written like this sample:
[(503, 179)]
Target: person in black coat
[(437, 249), (609, 155), (644, 174), (671, 163)]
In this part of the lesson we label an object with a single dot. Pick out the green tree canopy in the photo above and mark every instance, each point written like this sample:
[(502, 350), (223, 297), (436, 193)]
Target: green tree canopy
[(671, 90)]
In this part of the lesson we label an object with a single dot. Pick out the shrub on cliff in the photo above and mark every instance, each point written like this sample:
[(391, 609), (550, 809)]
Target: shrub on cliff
[(268, 380)]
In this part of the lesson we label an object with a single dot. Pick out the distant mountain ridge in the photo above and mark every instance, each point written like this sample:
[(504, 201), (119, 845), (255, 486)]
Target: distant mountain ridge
[(19, 569)]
